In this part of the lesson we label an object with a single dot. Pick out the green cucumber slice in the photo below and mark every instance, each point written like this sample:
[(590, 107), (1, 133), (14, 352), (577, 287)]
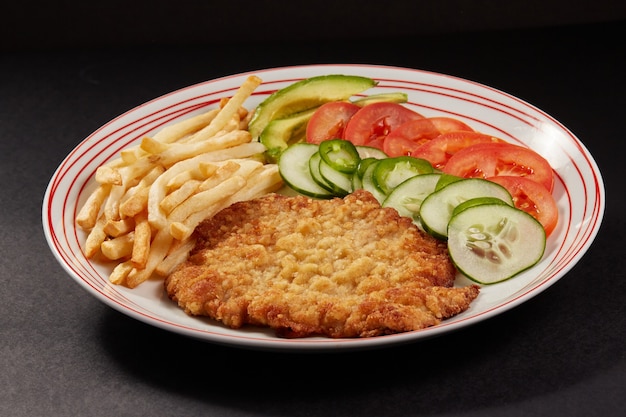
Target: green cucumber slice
[(314, 167), (293, 167), (407, 197), (340, 182), (445, 180), (367, 180), (436, 209), (491, 243), (370, 152), (476, 202)]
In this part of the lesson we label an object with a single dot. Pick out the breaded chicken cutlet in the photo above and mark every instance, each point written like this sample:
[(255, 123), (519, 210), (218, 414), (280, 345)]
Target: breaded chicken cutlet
[(340, 268)]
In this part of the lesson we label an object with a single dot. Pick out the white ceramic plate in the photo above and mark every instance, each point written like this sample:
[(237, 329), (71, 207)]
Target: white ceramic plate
[(579, 192)]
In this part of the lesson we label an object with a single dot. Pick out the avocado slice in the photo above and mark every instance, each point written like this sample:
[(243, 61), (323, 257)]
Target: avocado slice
[(280, 133), (305, 95), (396, 97)]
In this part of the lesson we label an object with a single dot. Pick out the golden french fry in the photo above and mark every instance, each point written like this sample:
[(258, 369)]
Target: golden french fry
[(179, 252), (131, 155), (88, 214), (117, 228), (158, 250), (176, 197), (207, 198), (120, 272), (179, 130), (176, 152), (112, 205), (200, 172), (108, 175), (141, 242), (118, 248), (231, 108), (153, 146), (136, 198), (95, 238), (241, 167)]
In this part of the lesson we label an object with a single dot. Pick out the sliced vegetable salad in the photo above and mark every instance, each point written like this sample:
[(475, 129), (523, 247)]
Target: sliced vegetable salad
[(491, 200)]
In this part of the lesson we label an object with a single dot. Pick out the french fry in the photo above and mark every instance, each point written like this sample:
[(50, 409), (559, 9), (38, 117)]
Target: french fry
[(136, 198), (117, 228), (207, 198), (112, 205), (178, 253), (227, 112), (120, 272), (108, 175), (141, 242), (197, 173), (185, 127), (88, 214), (179, 151), (158, 250), (153, 146), (95, 238), (118, 248)]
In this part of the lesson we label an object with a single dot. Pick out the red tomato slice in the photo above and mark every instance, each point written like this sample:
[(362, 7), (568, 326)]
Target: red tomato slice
[(329, 121), (409, 136), (533, 198), (439, 150), (449, 124), (376, 120), (485, 160)]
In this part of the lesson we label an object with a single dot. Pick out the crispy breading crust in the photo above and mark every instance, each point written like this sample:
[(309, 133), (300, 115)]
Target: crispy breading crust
[(304, 267)]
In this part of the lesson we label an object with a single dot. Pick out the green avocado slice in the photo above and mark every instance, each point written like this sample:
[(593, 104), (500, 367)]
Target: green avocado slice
[(280, 133), (305, 95)]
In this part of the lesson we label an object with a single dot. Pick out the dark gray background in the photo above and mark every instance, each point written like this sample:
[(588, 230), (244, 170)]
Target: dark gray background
[(66, 69)]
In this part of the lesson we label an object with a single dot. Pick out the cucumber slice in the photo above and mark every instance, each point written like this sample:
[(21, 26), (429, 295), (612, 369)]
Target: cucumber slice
[(476, 202), (293, 167), (445, 180), (437, 208), (407, 197), (340, 182), (367, 179), (491, 243), (370, 152), (314, 167)]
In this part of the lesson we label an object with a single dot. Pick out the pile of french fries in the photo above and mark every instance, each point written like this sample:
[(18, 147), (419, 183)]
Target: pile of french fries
[(150, 199)]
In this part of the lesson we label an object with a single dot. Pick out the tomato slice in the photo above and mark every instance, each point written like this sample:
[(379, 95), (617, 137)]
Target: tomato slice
[(533, 198), (409, 136), (484, 160), (329, 121), (375, 121), (439, 150), (449, 124)]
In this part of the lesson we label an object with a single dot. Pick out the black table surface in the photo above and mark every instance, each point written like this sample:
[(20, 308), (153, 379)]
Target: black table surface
[(65, 353)]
